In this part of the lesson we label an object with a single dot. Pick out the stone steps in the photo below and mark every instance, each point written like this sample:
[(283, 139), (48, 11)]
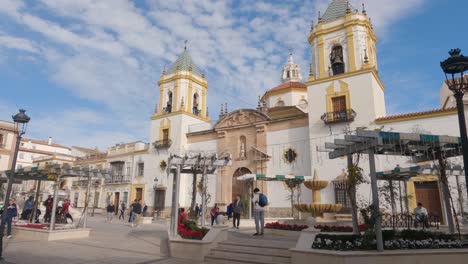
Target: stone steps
[(242, 248)]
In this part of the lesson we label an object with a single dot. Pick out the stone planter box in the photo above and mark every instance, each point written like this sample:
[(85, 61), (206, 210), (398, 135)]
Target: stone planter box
[(426, 256), (280, 232), (146, 220), (197, 249), (47, 235)]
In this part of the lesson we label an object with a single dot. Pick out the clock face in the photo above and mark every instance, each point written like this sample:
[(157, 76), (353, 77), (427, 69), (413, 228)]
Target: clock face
[(303, 104), (290, 155)]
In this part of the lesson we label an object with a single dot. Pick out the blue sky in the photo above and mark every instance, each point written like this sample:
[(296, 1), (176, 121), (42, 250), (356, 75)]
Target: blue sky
[(87, 71)]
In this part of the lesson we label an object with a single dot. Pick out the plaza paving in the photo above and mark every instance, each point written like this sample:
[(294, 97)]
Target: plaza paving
[(115, 243)]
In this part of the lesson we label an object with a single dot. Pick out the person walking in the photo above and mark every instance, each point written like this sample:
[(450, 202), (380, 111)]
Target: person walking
[(197, 210), (48, 205), (214, 214), (110, 212), (122, 210), (12, 212), (136, 211), (259, 200), (237, 208)]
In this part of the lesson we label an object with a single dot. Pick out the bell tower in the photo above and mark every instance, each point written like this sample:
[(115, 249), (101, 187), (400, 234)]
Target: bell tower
[(182, 105), (342, 41), (344, 86)]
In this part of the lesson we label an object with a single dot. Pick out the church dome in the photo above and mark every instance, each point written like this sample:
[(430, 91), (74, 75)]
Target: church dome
[(184, 63)]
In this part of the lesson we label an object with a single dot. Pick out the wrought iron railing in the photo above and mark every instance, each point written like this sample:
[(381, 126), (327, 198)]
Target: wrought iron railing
[(117, 179), (164, 143), (338, 116), (408, 221), (80, 183)]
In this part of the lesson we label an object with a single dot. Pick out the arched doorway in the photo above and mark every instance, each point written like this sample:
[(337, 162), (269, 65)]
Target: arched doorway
[(240, 187)]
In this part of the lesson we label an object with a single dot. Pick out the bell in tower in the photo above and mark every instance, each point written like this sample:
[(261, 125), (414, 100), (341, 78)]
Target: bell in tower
[(336, 60)]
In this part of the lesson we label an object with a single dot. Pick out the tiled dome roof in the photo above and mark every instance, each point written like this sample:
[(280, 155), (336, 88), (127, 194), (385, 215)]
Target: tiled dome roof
[(184, 63), (336, 9)]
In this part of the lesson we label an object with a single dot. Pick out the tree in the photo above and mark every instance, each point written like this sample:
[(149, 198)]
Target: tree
[(354, 179)]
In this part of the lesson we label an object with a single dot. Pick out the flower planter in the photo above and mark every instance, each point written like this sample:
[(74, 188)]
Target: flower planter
[(197, 249), (27, 233), (426, 256), (279, 232)]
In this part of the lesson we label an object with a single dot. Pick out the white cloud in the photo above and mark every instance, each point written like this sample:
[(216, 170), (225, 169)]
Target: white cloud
[(18, 43), (112, 52)]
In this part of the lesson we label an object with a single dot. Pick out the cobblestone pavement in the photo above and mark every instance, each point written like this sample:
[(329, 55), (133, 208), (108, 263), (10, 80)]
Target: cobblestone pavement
[(115, 243)]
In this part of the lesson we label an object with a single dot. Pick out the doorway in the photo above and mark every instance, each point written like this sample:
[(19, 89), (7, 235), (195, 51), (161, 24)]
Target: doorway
[(159, 199), (242, 188), (116, 202), (139, 194), (428, 194)]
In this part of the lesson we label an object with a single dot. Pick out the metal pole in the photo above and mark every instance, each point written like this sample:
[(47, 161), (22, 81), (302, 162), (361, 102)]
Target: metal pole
[(460, 196), (54, 205), (464, 139), (36, 201), (85, 217), (405, 185), (8, 192), (94, 198), (203, 220), (250, 200), (175, 201), (375, 201)]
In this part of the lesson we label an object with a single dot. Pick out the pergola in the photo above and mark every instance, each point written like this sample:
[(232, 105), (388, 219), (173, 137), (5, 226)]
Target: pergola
[(55, 173), (290, 180), (405, 174), (199, 163), (420, 147)]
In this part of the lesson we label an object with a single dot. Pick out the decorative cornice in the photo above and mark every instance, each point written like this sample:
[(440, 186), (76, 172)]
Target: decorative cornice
[(180, 75), (416, 115), (348, 23), (349, 74), (159, 116)]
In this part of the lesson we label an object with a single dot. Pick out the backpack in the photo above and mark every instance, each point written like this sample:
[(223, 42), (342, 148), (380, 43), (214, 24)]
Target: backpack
[(262, 200)]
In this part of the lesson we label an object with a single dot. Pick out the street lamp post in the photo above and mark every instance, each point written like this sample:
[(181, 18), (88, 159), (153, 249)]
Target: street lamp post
[(454, 68), (155, 188), (96, 185), (21, 122)]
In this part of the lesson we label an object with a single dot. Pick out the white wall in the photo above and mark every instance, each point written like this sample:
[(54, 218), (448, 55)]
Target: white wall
[(278, 143)]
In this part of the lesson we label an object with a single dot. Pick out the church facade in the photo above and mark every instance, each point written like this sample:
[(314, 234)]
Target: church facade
[(286, 133)]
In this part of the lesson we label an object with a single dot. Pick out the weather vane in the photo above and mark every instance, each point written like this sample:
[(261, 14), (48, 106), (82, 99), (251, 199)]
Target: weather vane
[(185, 44)]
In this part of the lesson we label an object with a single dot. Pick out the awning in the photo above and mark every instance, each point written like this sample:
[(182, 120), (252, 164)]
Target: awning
[(272, 177)]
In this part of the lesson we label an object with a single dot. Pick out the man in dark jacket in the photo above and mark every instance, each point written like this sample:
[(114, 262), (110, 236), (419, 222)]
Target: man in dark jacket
[(110, 212), (237, 208), (136, 210)]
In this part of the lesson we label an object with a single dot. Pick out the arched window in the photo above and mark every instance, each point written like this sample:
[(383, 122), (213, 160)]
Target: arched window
[(280, 103), (196, 100), (336, 60), (242, 147), (168, 108), (1, 140), (288, 74)]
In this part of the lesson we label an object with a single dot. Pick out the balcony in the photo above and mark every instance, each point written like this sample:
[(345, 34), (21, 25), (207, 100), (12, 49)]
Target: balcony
[(338, 116), (118, 179), (160, 144), (81, 183)]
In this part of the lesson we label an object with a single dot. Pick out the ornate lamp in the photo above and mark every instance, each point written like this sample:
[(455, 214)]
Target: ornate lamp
[(454, 68)]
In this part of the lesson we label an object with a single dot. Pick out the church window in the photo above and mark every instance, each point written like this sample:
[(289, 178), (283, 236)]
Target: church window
[(339, 108), (342, 197), (165, 135), (168, 107), (287, 74), (280, 103), (303, 103), (242, 147), (196, 99), (336, 60)]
